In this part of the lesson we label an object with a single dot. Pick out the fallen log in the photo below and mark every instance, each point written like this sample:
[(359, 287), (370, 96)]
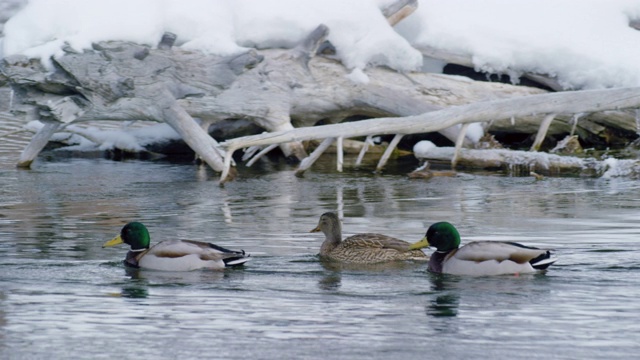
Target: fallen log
[(526, 163), (552, 103)]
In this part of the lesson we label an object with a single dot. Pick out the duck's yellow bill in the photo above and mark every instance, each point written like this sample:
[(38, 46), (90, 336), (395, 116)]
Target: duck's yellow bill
[(113, 242), (424, 243), (316, 229)]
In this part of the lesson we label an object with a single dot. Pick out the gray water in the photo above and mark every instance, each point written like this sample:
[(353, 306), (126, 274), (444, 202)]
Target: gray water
[(63, 296)]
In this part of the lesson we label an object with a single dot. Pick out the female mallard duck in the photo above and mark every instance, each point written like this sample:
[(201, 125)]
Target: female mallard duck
[(480, 257), (173, 255), (361, 248)]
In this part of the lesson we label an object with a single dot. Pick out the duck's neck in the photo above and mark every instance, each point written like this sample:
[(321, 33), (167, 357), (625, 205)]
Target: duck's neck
[(333, 238), (133, 256), (437, 259)]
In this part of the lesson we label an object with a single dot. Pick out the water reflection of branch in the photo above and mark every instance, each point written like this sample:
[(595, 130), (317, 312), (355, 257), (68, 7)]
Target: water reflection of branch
[(340, 200), (226, 209)]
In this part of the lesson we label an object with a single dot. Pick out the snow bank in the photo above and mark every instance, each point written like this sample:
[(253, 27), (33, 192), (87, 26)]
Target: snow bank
[(358, 30), (584, 43)]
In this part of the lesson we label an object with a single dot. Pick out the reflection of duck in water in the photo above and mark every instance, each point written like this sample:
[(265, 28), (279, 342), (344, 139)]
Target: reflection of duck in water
[(424, 172), (480, 257), (361, 248), (443, 306), (173, 255)]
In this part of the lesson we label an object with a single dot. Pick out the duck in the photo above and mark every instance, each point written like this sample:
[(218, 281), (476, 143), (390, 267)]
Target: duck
[(173, 255), (366, 248), (481, 258)]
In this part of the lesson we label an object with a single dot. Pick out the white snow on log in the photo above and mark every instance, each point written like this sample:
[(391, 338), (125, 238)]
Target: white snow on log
[(359, 31), (423, 147), (358, 76), (87, 137)]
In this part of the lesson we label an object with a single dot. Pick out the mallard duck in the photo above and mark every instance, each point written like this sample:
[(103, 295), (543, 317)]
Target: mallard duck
[(361, 248), (173, 255), (480, 257)]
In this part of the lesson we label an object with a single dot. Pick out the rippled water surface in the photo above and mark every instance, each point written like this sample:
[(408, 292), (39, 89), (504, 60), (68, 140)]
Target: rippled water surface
[(63, 296)]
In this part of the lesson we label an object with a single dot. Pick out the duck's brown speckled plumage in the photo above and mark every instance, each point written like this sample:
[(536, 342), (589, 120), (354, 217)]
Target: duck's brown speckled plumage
[(365, 248)]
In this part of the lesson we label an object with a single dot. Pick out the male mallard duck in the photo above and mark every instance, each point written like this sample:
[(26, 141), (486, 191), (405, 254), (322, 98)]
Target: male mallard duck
[(361, 248), (480, 257), (173, 255)]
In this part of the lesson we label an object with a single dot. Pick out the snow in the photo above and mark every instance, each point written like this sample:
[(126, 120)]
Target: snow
[(124, 137), (358, 76), (358, 30), (613, 168), (475, 131), (422, 148), (585, 43)]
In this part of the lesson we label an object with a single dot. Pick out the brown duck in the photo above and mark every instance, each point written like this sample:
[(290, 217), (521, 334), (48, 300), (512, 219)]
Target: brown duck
[(365, 248)]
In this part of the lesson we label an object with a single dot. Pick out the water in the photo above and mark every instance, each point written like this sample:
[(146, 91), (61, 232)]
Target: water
[(63, 296)]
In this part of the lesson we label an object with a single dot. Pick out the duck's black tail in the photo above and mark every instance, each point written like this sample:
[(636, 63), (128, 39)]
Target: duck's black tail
[(233, 258), (237, 260), (543, 261)]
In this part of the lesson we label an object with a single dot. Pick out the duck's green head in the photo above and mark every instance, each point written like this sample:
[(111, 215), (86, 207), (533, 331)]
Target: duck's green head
[(134, 234), (441, 235)]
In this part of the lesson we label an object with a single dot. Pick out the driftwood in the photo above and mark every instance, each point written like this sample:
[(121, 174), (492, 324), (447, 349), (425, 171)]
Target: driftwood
[(525, 163), (552, 103), (275, 89)]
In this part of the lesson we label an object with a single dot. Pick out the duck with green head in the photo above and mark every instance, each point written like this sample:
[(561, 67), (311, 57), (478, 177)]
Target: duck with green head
[(173, 255), (365, 248), (480, 257)]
